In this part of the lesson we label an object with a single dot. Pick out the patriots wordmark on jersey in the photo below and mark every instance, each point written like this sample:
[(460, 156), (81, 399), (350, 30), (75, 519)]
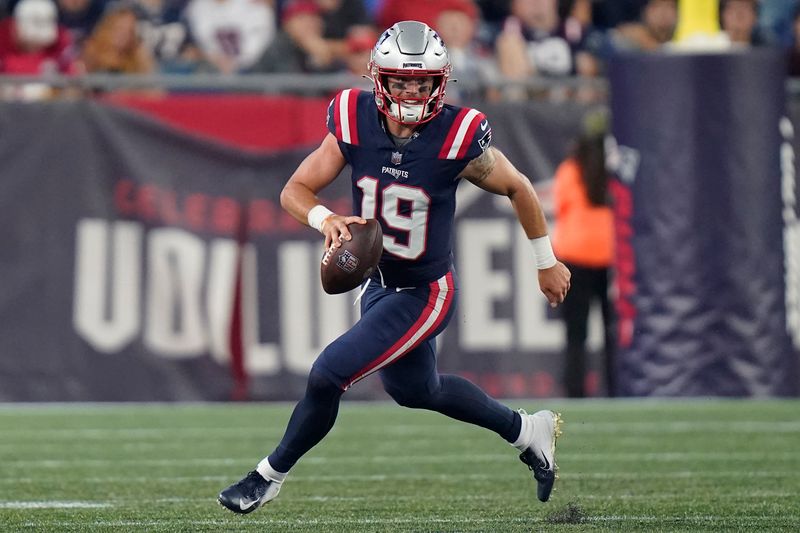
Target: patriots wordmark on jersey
[(410, 190)]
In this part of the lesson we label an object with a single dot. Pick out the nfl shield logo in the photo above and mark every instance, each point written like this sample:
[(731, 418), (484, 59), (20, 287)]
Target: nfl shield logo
[(347, 262), (397, 158)]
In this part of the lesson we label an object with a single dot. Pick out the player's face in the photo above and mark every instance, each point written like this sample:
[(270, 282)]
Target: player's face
[(404, 87)]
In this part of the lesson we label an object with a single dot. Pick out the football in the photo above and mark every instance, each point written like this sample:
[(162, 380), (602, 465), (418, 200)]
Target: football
[(344, 268)]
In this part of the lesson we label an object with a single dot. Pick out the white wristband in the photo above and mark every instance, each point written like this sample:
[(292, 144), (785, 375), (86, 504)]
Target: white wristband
[(317, 215), (543, 252)]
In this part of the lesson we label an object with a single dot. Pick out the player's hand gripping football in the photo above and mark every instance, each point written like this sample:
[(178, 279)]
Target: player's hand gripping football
[(335, 229), (554, 283)]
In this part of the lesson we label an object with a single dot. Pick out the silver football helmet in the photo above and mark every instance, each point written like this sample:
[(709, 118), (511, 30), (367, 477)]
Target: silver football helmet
[(410, 49)]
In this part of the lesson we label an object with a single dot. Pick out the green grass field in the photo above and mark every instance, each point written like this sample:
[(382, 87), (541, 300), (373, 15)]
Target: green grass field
[(625, 466)]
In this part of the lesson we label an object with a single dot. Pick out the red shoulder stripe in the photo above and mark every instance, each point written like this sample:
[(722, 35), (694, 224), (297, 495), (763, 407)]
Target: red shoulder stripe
[(345, 116), (477, 119), (451, 135)]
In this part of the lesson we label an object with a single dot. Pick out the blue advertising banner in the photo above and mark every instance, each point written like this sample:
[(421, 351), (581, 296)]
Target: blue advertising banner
[(703, 210)]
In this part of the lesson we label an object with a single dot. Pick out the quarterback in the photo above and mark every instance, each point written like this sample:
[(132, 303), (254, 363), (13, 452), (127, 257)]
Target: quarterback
[(408, 151)]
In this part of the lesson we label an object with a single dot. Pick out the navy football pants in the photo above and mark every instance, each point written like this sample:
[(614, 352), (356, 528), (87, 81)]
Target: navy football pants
[(396, 337)]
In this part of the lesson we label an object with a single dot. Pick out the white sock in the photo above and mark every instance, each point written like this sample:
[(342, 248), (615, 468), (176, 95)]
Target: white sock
[(267, 472), (525, 432)]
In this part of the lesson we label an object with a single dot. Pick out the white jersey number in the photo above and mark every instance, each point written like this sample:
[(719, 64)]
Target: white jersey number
[(415, 224)]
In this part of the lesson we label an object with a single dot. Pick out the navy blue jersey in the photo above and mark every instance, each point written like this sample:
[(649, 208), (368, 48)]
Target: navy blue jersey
[(410, 190)]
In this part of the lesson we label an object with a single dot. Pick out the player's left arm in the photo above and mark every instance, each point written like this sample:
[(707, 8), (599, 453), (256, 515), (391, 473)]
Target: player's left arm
[(493, 172)]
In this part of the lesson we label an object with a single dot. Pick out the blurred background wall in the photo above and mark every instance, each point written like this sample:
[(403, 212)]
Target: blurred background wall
[(144, 145)]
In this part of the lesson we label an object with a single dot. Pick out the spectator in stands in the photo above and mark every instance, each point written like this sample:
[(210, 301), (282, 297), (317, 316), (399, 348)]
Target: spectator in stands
[(578, 27), (339, 17), (359, 43), (319, 29), (231, 34), (114, 45), (299, 45), (164, 32), (535, 42), (457, 25), (655, 28), (583, 239), (738, 19), (775, 19), (80, 17), (608, 14), (494, 11), (303, 23), (578, 10), (426, 11), (32, 42), (314, 37)]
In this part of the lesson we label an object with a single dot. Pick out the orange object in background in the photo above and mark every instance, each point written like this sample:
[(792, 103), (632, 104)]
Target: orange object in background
[(584, 233)]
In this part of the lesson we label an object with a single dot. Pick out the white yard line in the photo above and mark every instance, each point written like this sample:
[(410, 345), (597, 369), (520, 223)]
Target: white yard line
[(451, 477), (624, 428), (420, 521), (52, 504), (563, 458), (744, 492)]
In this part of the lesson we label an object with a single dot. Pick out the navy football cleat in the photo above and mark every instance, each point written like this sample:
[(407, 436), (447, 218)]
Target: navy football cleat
[(540, 455), (249, 494)]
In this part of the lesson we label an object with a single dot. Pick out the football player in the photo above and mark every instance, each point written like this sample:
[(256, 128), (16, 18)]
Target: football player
[(407, 150)]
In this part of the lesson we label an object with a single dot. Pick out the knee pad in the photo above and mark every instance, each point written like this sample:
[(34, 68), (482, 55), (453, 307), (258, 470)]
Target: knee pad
[(320, 386)]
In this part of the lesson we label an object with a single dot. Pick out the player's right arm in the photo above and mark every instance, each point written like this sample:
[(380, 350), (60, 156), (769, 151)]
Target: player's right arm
[(299, 195)]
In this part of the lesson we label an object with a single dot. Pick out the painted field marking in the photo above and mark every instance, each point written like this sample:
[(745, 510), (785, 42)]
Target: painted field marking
[(577, 427), (563, 458), (421, 520), (451, 477), (53, 504)]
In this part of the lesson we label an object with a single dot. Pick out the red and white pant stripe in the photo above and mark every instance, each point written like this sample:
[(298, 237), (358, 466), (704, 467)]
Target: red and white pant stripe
[(435, 311)]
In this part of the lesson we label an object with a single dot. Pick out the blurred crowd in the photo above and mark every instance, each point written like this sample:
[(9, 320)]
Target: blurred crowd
[(488, 39)]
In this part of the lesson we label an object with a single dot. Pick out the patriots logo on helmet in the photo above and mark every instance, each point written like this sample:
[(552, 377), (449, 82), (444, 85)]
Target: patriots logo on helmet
[(383, 37)]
